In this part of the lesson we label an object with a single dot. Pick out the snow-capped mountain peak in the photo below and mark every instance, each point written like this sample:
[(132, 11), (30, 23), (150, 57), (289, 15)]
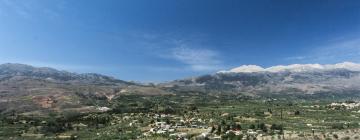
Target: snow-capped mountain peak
[(294, 68), (248, 68)]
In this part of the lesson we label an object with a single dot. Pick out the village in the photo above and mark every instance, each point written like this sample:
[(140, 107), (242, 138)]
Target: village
[(262, 120)]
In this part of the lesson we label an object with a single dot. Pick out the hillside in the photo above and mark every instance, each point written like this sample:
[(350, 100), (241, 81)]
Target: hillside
[(28, 89)]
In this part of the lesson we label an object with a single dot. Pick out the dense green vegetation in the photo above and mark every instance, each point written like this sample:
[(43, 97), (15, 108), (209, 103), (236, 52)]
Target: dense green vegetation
[(133, 115)]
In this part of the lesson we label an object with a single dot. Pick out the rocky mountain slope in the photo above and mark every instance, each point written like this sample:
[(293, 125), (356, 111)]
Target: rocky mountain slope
[(8, 71), (341, 79), (28, 89)]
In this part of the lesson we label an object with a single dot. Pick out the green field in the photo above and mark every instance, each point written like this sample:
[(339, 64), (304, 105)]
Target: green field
[(133, 116)]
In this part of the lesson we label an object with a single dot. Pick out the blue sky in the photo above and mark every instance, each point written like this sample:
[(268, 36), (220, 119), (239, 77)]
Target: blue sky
[(159, 40)]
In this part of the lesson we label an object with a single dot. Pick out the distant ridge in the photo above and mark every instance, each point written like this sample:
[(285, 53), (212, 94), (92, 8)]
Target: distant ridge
[(294, 68), (28, 89), (297, 80), (16, 69)]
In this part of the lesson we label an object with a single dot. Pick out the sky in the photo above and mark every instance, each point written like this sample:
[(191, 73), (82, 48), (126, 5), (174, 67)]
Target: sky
[(162, 40)]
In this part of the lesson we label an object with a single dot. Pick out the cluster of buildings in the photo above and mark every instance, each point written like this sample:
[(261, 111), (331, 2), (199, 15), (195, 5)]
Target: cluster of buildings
[(181, 128), (344, 105), (174, 126)]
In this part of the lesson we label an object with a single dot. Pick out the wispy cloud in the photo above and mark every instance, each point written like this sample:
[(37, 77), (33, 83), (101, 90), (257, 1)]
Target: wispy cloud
[(189, 51), (197, 59), (18, 8), (332, 52), (346, 50), (30, 9), (296, 58)]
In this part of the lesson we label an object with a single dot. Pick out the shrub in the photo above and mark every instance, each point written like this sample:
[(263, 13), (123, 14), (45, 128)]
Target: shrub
[(252, 126), (337, 126), (276, 127), (262, 127)]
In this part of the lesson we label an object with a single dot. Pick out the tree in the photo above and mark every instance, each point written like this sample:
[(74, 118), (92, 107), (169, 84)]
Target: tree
[(71, 115), (229, 136), (252, 126), (226, 128), (223, 122), (338, 126), (192, 108), (277, 127), (218, 132), (152, 121), (167, 121), (53, 126), (262, 127), (212, 129), (238, 127)]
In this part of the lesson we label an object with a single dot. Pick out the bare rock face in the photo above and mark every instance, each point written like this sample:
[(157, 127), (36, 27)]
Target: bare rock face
[(44, 101)]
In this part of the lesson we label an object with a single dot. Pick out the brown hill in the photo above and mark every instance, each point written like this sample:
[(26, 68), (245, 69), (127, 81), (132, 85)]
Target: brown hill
[(27, 89)]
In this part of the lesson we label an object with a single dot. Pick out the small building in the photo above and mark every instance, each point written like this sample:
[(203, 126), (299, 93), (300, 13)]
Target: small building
[(31, 136), (79, 126)]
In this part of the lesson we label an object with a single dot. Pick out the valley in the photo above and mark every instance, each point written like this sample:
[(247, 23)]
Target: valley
[(179, 69), (193, 117), (44, 103)]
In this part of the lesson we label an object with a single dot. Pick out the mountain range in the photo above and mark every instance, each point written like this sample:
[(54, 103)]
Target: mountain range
[(342, 79), (29, 89), (37, 90), (295, 68)]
